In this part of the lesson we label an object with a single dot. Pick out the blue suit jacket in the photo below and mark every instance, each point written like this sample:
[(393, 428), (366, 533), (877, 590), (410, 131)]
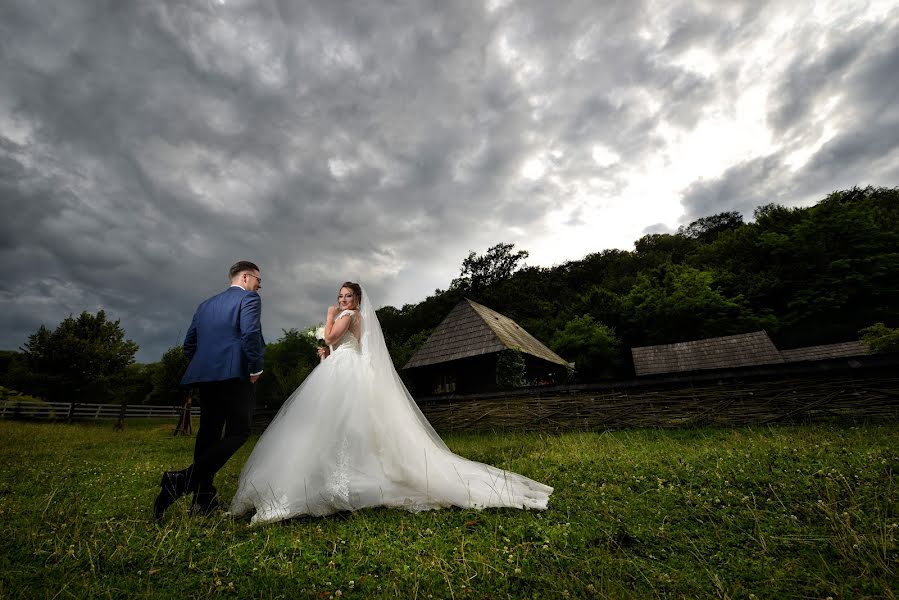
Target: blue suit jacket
[(225, 338)]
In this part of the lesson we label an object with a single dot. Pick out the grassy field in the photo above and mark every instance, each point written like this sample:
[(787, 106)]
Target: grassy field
[(787, 512)]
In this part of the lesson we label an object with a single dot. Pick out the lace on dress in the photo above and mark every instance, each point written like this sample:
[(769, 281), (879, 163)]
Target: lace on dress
[(350, 337)]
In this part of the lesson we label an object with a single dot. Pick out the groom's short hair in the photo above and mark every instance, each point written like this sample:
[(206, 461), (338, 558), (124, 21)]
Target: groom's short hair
[(241, 266)]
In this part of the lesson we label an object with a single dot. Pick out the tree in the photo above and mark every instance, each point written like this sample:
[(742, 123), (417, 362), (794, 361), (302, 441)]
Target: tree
[(807, 275), (843, 266), (594, 348), (707, 229), (401, 353), (511, 369), (657, 248), (167, 377), (880, 338), (480, 272), (135, 384), (79, 360), (288, 362), (675, 303)]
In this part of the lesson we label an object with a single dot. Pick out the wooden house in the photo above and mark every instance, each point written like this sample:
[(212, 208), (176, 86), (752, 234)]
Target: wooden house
[(465, 352)]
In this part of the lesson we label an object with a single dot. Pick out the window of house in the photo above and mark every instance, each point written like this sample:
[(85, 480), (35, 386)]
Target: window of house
[(445, 384)]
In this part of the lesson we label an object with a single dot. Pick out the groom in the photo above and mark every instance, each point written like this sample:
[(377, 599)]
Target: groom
[(225, 349)]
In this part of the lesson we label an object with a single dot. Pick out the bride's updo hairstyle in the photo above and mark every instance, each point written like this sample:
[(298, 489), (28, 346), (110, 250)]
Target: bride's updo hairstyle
[(357, 291)]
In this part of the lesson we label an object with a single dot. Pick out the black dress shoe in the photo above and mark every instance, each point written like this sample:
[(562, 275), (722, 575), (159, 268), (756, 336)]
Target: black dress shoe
[(172, 487)]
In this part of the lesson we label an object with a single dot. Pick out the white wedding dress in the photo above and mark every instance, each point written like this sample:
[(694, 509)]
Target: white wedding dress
[(352, 437)]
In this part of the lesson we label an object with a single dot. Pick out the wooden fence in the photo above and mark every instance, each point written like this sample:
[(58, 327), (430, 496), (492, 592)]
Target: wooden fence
[(12, 409), (861, 389), (855, 389)]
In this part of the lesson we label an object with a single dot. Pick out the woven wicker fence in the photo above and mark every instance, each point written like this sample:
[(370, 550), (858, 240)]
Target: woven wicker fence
[(865, 389), (857, 389)]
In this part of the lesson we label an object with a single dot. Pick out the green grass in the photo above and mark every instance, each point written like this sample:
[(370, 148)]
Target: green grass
[(789, 512)]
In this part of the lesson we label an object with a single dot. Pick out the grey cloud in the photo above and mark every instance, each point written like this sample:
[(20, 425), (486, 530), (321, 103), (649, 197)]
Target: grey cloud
[(146, 147), (813, 75), (658, 228), (859, 72), (741, 188)]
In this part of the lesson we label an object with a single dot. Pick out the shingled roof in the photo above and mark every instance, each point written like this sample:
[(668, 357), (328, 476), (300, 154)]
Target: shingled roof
[(841, 350), (472, 329), (743, 350)]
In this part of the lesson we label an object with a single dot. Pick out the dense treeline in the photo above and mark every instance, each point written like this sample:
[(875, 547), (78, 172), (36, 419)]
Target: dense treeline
[(821, 274), (808, 276)]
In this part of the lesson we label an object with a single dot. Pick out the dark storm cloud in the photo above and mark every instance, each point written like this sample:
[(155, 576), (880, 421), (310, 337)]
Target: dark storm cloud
[(144, 147)]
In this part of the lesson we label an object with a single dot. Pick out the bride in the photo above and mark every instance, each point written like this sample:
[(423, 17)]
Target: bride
[(352, 437)]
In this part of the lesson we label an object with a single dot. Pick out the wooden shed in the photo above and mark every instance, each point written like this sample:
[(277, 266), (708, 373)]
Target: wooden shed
[(732, 351), (464, 353), (825, 352)]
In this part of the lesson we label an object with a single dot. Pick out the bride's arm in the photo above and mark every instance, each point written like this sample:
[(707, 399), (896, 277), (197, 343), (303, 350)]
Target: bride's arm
[(335, 330)]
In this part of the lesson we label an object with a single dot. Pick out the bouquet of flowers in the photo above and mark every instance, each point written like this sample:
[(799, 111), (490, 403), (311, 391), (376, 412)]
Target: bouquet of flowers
[(318, 333)]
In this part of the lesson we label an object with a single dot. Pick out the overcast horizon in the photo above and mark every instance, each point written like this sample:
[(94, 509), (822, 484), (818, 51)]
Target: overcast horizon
[(146, 146)]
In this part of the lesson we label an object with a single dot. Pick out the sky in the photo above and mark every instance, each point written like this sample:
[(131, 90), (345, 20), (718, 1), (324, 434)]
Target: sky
[(146, 146)]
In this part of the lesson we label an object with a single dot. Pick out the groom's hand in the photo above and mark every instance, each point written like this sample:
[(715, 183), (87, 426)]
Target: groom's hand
[(255, 378)]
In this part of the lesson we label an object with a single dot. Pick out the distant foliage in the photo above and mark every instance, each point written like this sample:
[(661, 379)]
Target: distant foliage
[(480, 272), (8, 395), (135, 384), (707, 229), (80, 360), (880, 338), (511, 369), (166, 378), (807, 276), (402, 351), (670, 300), (288, 362), (593, 347)]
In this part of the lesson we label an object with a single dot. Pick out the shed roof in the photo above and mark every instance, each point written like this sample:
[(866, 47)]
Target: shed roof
[(472, 329), (743, 350), (841, 350)]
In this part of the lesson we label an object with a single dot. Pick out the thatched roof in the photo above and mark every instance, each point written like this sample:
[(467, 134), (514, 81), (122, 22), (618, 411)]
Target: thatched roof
[(472, 329), (743, 350), (842, 350)]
